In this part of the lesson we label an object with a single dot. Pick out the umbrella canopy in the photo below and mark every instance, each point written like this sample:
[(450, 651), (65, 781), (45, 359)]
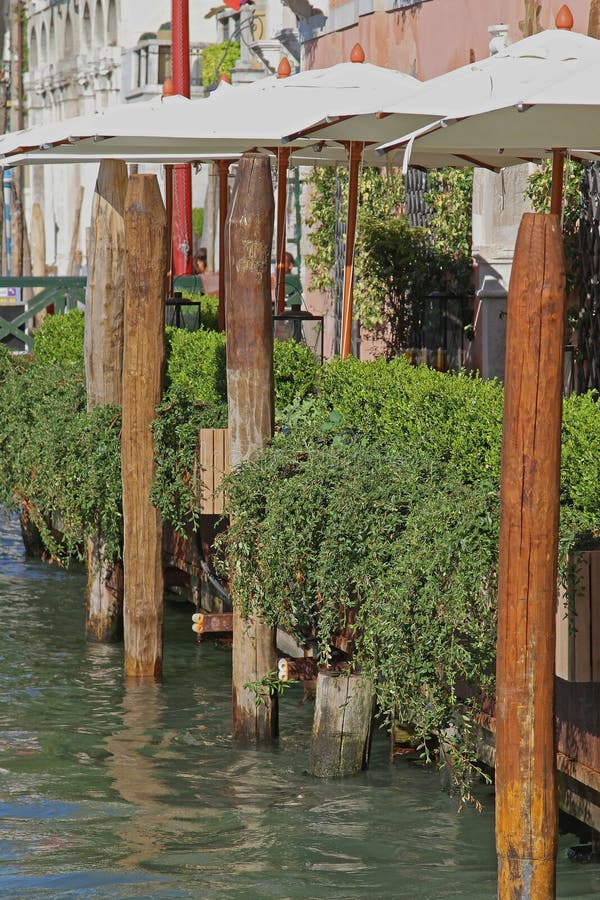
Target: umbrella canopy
[(519, 105), (230, 121)]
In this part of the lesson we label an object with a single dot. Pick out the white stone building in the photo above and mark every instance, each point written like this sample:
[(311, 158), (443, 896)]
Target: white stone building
[(88, 54)]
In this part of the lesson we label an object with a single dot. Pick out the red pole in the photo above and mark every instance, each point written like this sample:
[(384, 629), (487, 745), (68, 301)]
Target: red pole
[(182, 174), (283, 156), (356, 149), (223, 165)]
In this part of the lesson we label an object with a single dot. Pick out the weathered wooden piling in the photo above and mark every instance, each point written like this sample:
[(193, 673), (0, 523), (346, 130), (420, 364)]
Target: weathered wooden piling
[(38, 253), (342, 725), (105, 297), (249, 234), (526, 789), (143, 360)]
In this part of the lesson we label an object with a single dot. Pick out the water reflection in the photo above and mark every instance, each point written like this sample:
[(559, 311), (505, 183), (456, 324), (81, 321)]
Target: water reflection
[(116, 790), (135, 774)]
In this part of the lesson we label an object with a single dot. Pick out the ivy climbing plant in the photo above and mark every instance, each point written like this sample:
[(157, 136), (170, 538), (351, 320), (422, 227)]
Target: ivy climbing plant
[(396, 265)]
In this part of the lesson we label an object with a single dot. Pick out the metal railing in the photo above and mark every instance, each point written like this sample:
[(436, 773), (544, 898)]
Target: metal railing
[(63, 293)]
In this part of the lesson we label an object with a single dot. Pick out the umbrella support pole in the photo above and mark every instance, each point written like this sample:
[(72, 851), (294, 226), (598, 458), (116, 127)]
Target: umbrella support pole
[(103, 367), (558, 167), (355, 154), (283, 157), (143, 358), (249, 235), (526, 786)]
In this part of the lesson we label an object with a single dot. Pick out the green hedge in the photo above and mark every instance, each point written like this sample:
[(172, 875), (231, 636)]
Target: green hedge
[(62, 461), (380, 499)]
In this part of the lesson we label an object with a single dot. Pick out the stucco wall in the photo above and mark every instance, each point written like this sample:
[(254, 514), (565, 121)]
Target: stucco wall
[(430, 37)]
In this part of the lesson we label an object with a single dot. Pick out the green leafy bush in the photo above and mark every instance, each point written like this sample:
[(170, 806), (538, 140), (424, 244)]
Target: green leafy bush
[(59, 340), (378, 504), (196, 397), (217, 60), (396, 265), (539, 193), (59, 462)]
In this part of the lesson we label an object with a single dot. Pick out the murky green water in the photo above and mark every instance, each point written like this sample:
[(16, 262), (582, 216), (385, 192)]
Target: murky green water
[(110, 791)]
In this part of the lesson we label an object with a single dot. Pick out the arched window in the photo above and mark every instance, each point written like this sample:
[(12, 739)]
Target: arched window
[(86, 28), (98, 25), (43, 45), (52, 42), (33, 51), (111, 26), (69, 47)]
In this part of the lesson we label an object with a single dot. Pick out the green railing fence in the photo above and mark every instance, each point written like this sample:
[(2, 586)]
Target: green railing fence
[(61, 292)]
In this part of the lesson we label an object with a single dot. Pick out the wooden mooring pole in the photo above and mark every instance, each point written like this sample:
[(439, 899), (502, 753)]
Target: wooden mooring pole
[(143, 360), (105, 297), (526, 788), (342, 725), (248, 236)]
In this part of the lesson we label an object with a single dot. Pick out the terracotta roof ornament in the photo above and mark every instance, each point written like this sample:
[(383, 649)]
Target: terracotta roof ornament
[(284, 69), (564, 18), (357, 54)]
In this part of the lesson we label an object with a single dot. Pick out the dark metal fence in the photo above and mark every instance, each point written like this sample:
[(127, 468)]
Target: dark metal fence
[(587, 365)]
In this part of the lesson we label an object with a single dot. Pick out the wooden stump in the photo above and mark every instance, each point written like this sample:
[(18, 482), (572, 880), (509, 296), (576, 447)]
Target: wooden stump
[(143, 359), (104, 597), (342, 725), (526, 788), (105, 297), (249, 235)]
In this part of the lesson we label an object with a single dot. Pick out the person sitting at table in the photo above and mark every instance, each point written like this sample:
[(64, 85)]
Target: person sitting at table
[(200, 261)]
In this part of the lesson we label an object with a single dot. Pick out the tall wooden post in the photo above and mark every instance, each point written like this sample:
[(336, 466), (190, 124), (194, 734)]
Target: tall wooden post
[(249, 233), (355, 154), (38, 254), (105, 297), (17, 124), (526, 793), (143, 360)]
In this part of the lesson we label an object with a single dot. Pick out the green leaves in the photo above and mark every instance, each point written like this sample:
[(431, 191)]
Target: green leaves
[(378, 505), (217, 60), (396, 266)]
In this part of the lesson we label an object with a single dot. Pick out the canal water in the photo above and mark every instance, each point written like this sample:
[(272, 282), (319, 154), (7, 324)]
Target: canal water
[(116, 791)]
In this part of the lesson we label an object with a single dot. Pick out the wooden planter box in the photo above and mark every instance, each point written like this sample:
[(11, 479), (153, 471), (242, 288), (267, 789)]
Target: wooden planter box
[(213, 456)]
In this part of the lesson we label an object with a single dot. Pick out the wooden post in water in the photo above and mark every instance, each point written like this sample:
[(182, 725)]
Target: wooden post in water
[(105, 296), (143, 360), (342, 725), (38, 254), (526, 791), (249, 234)]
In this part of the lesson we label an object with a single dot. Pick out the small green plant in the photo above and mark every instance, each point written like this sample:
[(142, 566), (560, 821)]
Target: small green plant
[(396, 266), (539, 192), (198, 220), (59, 340), (217, 60), (267, 687)]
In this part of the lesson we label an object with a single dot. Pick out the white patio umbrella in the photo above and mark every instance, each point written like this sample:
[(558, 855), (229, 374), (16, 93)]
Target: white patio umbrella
[(229, 123), (511, 112)]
